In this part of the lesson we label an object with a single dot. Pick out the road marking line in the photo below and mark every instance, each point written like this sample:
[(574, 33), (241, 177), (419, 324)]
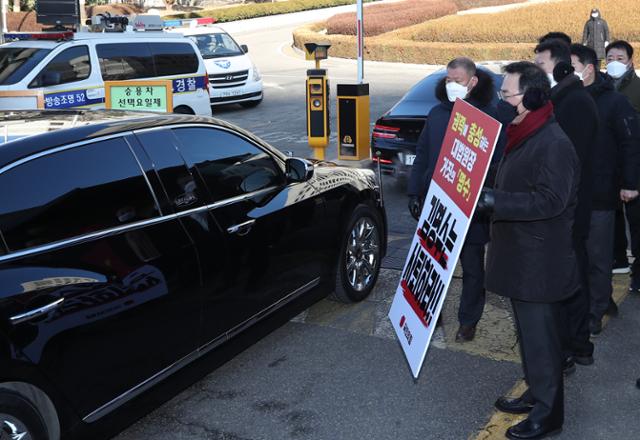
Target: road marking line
[(499, 422)]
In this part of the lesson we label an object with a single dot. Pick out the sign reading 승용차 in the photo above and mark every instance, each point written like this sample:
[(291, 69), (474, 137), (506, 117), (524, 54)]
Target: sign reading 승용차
[(446, 214), (155, 96)]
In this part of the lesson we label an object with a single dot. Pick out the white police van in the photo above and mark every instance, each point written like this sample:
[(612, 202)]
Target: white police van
[(233, 77), (58, 70)]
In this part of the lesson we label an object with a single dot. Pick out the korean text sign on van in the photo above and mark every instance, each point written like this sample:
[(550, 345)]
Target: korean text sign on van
[(155, 96), (458, 178)]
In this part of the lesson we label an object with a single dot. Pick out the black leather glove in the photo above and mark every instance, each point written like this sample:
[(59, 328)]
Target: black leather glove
[(415, 206), (486, 202)]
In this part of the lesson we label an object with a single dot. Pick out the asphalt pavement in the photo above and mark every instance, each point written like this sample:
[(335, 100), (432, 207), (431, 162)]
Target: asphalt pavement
[(336, 371)]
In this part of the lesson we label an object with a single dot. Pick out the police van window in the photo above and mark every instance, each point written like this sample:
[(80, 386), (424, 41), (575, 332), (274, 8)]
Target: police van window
[(174, 58), (216, 45), (229, 165), (68, 66), (17, 62), (72, 193), (125, 61)]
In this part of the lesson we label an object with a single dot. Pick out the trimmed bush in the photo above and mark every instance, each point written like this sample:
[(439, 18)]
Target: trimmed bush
[(387, 17), (255, 10)]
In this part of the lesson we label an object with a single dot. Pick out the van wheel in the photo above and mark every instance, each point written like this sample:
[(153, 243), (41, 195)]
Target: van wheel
[(359, 259), (251, 104), (183, 110), (19, 418)]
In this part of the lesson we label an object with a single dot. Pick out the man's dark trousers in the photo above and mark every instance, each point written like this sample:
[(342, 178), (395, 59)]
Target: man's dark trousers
[(600, 250), (576, 309), (541, 352), (473, 293), (632, 212)]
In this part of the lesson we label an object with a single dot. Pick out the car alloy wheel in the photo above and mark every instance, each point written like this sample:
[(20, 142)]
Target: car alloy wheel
[(13, 429), (362, 254)]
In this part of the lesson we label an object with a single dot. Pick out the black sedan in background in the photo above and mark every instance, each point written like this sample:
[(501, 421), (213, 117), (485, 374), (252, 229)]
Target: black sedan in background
[(132, 245), (396, 133)]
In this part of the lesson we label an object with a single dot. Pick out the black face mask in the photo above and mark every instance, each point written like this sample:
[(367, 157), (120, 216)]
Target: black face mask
[(506, 111)]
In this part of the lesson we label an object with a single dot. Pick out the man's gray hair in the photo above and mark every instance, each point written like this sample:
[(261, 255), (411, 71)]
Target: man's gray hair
[(466, 63)]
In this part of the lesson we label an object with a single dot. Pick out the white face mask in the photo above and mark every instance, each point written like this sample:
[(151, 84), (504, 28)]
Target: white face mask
[(455, 90), (552, 80), (616, 69), (594, 15)]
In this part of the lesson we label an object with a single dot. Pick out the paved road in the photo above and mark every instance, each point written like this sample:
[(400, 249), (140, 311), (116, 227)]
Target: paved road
[(336, 371)]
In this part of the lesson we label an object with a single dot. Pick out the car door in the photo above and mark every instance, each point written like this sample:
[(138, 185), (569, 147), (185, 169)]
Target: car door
[(268, 227), (114, 279)]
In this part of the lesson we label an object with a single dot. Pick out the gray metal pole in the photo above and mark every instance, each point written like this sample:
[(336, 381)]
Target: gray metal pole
[(360, 33)]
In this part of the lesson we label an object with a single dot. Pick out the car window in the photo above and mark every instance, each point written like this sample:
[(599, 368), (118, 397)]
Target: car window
[(216, 45), (71, 193), (229, 165), (68, 66), (174, 58), (17, 62), (125, 61)]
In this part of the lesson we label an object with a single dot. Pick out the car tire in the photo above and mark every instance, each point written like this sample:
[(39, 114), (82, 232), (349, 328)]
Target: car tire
[(183, 110), (360, 255), (18, 415), (251, 104)]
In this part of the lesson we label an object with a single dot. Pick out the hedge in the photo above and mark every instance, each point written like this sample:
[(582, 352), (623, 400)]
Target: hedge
[(243, 12)]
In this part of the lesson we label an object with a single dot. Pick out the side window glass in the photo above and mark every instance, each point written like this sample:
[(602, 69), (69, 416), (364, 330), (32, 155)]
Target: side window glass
[(70, 65), (174, 58), (125, 61), (71, 193), (229, 165)]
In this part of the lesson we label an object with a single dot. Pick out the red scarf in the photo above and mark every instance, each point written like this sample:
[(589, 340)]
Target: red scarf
[(517, 133)]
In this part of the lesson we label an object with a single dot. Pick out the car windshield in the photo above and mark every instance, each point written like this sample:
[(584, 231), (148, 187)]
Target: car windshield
[(17, 62), (216, 45)]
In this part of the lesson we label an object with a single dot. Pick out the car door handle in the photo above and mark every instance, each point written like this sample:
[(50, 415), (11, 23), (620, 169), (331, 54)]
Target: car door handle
[(22, 317), (242, 228)]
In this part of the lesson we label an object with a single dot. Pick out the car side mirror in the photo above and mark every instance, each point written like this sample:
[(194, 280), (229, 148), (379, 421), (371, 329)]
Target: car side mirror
[(298, 170), (50, 79), (244, 48)]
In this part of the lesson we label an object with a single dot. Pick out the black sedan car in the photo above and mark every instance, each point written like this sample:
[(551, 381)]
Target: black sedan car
[(396, 133), (132, 245)]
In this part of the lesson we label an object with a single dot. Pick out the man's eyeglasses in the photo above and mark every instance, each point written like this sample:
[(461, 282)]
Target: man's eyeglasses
[(503, 96)]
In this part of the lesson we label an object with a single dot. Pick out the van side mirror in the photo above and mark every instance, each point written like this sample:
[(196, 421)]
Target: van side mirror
[(244, 48), (50, 79), (298, 170)]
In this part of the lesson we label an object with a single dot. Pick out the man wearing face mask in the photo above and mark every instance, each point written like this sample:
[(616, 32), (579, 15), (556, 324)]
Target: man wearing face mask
[(620, 68), (596, 34), (577, 115), (615, 176), (531, 259), (462, 81)]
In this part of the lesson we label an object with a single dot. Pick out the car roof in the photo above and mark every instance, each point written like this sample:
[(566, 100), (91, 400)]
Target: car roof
[(421, 98), (200, 30), (28, 132)]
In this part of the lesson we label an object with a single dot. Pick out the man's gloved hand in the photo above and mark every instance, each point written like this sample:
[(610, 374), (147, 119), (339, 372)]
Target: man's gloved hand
[(415, 206), (486, 202)]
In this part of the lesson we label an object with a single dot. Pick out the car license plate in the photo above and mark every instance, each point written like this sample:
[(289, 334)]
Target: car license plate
[(228, 93), (409, 158)]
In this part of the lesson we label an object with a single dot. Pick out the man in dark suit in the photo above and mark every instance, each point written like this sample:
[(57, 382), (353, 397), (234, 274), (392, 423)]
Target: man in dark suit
[(531, 258)]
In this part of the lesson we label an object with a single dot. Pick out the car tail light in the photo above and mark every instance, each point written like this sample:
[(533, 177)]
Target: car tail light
[(385, 161), (385, 132), (206, 82)]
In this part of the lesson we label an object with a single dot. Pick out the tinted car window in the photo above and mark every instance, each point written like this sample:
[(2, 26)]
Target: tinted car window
[(71, 193), (216, 45), (68, 66), (17, 62), (174, 58), (229, 165), (125, 61)]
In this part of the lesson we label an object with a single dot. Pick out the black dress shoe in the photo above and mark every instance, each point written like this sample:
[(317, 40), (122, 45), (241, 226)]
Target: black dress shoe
[(529, 430), (583, 359), (569, 366), (513, 405), (466, 333)]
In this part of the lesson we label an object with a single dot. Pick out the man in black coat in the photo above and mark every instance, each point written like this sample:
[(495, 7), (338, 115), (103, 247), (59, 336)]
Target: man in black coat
[(463, 81), (577, 115), (615, 175), (531, 257), (596, 34)]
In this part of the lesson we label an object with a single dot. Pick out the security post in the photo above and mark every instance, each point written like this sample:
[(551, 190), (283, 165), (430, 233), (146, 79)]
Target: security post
[(353, 121), (318, 128), (353, 107)]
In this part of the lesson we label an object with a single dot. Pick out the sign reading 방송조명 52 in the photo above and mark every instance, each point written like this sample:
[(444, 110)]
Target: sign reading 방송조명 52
[(155, 96), (453, 193)]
